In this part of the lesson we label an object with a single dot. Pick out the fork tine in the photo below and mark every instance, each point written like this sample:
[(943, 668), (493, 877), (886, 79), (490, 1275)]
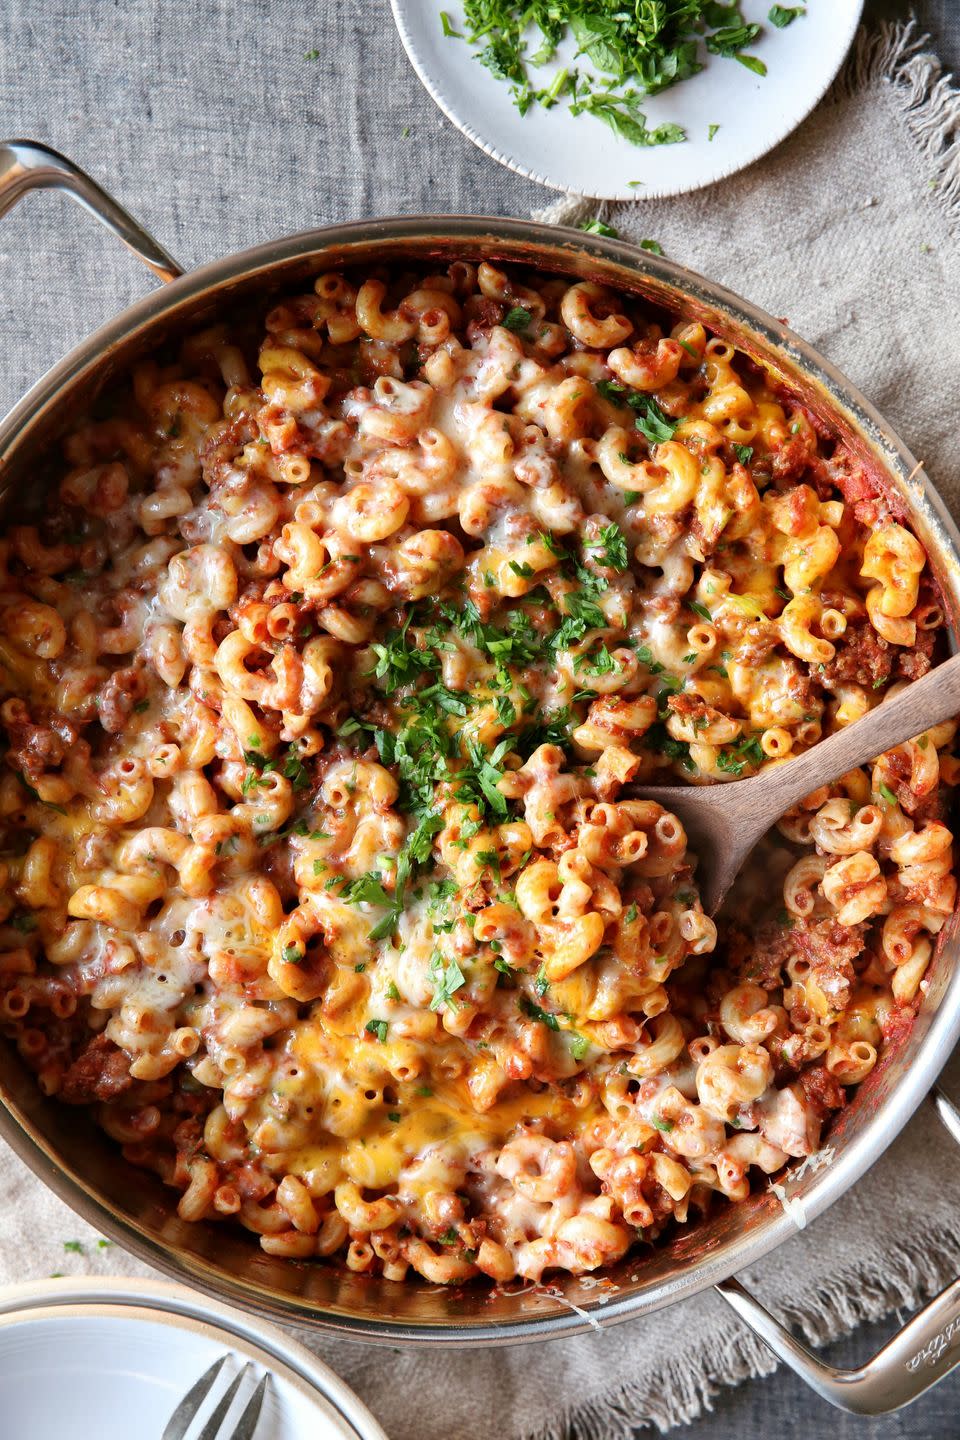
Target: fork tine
[(180, 1420), (209, 1431), (247, 1423)]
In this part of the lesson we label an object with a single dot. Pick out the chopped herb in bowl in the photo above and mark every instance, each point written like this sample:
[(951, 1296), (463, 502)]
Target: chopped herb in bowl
[(624, 53)]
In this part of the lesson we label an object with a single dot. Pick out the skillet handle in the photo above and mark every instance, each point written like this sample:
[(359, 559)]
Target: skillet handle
[(26, 165), (918, 1357)]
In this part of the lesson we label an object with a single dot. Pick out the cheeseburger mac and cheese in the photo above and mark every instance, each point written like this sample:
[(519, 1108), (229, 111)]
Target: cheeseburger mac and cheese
[(327, 671)]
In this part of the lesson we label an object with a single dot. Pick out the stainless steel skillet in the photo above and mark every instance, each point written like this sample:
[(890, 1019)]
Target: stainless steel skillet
[(82, 1166)]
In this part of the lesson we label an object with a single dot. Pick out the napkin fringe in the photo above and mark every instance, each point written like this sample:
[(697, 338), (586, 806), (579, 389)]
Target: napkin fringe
[(860, 1293), (894, 55)]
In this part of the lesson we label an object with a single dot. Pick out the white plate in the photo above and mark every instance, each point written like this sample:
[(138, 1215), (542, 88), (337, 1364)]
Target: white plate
[(113, 1358), (582, 155)]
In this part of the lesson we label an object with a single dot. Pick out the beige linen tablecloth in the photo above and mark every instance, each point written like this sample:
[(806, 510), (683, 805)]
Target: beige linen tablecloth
[(849, 230)]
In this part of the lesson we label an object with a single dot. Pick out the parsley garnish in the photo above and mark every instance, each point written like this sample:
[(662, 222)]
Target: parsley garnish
[(784, 15), (446, 978), (744, 453), (517, 319), (546, 1017), (583, 614), (598, 227), (378, 1028), (734, 760), (612, 545), (653, 246), (653, 425), (887, 794), (579, 1045), (367, 890)]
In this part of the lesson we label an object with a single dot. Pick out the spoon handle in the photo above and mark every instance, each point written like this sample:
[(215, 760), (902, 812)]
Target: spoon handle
[(922, 704)]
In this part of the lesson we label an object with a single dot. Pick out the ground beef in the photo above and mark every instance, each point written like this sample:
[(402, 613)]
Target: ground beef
[(756, 644), (792, 459), (897, 1023), (863, 658), (481, 314), (935, 806), (100, 1072), (38, 745), (823, 1090), (917, 660), (761, 959), (850, 477), (831, 949)]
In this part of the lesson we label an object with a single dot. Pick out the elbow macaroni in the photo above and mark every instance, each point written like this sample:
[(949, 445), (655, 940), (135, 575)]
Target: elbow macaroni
[(325, 679)]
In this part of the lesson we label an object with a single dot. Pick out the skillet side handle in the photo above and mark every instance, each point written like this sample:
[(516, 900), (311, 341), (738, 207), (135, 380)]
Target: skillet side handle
[(918, 1357), (26, 165)]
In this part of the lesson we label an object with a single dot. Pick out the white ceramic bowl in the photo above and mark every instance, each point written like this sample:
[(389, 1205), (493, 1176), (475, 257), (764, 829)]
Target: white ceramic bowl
[(109, 1350), (581, 155)]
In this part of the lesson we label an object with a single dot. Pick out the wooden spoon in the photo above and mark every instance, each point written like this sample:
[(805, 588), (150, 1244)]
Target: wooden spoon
[(724, 822)]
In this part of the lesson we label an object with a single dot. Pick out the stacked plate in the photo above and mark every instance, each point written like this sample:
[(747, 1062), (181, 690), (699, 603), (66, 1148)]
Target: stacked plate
[(114, 1358)]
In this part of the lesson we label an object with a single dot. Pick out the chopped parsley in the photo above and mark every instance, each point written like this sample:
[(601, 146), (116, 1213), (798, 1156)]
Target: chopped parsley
[(446, 978), (744, 453), (599, 227), (735, 759), (887, 794), (579, 1045), (784, 15), (600, 663), (731, 41), (517, 319), (653, 246), (546, 1017), (582, 614), (654, 426), (611, 548), (631, 51), (367, 890), (378, 1028)]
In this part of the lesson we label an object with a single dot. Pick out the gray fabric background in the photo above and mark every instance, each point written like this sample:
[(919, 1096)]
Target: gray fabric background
[(157, 98)]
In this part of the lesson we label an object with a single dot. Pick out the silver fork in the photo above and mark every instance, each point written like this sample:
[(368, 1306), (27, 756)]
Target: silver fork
[(189, 1407)]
